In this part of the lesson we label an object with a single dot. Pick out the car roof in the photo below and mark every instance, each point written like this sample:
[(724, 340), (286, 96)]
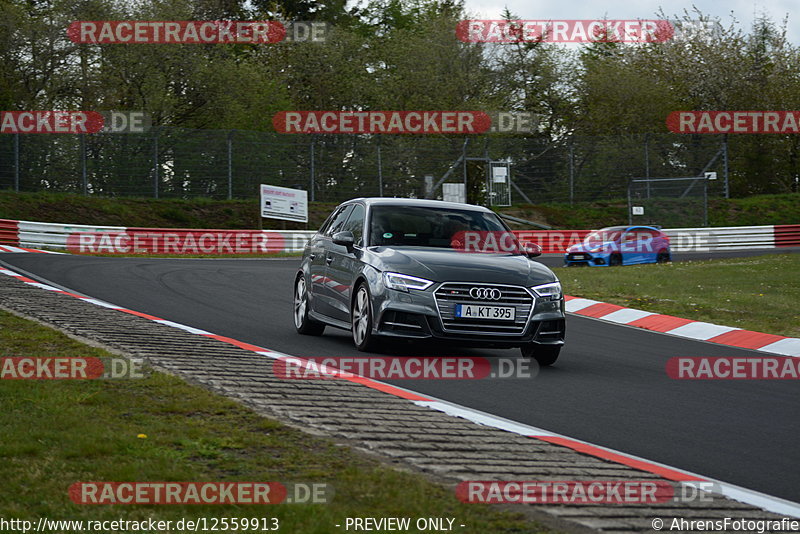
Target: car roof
[(614, 228), (624, 228), (418, 202)]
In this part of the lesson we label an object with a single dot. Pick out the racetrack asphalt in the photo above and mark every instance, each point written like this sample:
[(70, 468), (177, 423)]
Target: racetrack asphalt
[(609, 387)]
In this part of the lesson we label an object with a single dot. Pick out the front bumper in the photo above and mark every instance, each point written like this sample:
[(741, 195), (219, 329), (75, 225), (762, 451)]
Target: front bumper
[(586, 258), (418, 315)]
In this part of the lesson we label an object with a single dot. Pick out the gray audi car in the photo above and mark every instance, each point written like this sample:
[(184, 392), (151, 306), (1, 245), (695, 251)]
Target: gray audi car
[(424, 269)]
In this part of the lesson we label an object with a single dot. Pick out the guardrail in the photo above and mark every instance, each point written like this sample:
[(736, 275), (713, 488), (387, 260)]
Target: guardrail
[(129, 240), (721, 238)]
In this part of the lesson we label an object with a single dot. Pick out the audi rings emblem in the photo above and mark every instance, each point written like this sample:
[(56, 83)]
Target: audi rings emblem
[(485, 293)]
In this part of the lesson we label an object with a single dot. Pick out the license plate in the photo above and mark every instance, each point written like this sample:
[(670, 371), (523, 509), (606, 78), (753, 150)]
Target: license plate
[(473, 311)]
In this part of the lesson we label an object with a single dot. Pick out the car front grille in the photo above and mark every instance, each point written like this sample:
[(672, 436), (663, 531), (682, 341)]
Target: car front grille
[(451, 293), (578, 256)]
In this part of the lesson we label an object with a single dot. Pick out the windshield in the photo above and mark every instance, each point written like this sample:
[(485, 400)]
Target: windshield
[(428, 227)]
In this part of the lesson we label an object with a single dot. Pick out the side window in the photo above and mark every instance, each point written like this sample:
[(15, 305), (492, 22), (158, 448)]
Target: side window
[(327, 223), (643, 233), (355, 223), (338, 220)]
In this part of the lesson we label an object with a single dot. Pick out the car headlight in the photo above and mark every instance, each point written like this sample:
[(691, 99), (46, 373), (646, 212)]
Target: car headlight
[(551, 290), (404, 282)]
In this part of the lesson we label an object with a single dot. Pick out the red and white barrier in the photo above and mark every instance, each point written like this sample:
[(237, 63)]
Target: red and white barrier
[(688, 328), (787, 235), (9, 232), (129, 240), (77, 238)]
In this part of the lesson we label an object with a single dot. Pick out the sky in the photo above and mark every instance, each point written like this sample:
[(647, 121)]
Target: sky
[(745, 11)]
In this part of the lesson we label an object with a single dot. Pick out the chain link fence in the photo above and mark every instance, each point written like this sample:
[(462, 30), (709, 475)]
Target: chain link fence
[(184, 163), (670, 202)]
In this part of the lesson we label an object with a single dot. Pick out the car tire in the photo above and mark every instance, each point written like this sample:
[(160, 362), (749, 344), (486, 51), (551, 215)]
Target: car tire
[(544, 355), (614, 260), (302, 322), (361, 319), (663, 257)]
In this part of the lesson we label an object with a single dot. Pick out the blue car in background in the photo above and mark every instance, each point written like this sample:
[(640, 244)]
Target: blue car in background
[(620, 245)]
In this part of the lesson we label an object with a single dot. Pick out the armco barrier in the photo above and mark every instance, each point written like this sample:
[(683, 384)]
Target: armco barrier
[(721, 238), (127, 240), (225, 241), (176, 241), (54, 235)]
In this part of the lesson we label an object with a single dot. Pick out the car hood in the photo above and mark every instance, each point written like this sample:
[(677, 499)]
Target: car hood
[(442, 265), (586, 247)]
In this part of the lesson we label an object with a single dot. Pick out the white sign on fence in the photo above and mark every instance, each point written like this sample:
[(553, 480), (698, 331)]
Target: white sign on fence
[(637, 210), (284, 203), (500, 174), (454, 193)]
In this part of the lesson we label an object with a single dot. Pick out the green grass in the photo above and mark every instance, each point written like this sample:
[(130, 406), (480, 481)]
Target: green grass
[(758, 293), (55, 433), (243, 214), (148, 212), (749, 211), (754, 211)]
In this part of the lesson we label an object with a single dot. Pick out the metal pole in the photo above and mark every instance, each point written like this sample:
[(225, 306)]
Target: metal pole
[(155, 162), (647, 161), (311, 178), (451, 168), (464, 158), (230, 165), (84, 179), (705, 202), (16, 162), (725, 164), (380, 170), (571, 175), (630, 214)]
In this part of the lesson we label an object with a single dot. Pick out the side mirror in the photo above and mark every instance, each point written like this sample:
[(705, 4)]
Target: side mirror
[(532, 250), (344, 239)]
